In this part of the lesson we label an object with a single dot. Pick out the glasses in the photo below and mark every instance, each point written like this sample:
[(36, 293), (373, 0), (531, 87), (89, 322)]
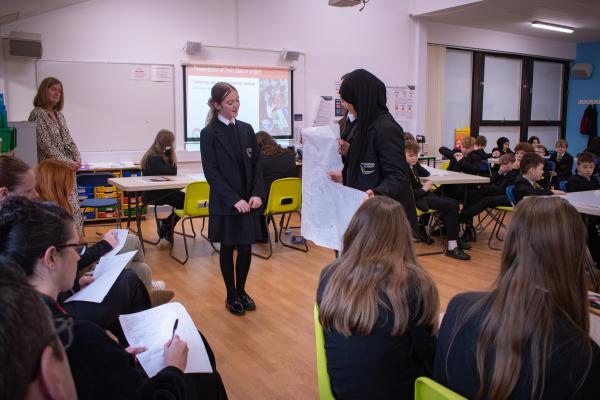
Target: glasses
[(79, 247), (63, 333)]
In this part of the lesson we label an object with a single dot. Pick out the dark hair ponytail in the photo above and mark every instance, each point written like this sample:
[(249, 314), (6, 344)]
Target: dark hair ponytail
[(28, 228)]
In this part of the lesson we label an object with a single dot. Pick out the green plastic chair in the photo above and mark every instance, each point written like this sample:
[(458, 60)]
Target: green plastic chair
[(325, 392), (428, 389), (195, 205), (285, 197)]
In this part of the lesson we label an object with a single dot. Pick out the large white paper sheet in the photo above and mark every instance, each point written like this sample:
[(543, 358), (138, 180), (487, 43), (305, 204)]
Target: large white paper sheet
[(121, 237), (327, 207), (106, 273), (153, 328), (435, 171)]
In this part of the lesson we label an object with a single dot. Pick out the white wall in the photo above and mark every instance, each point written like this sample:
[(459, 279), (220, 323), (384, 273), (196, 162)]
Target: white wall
[(335, 40), (383, 38)]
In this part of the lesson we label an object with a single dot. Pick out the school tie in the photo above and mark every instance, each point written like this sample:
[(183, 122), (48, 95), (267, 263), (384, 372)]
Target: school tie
[(558, 157), (536, 186)]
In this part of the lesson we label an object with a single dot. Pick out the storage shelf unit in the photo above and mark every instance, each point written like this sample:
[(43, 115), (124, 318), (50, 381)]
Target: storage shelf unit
[(105, 214)]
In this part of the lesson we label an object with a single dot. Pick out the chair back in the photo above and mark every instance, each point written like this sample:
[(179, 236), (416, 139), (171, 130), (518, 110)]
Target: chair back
[(563, 186), (445, 164), (510, 193), (285, 196), (551, 165), (325, 392), (94, 179), (196, 199), (428, 389)]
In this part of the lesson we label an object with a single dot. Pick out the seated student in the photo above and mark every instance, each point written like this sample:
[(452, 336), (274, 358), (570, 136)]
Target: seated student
[(466, 160), (426, 199), (526, 184), (528, 337), (34, 363), (534, 140), (479, 148), (490, 196), (521, 149), (547, 177), (584, 178), (378, 307), (277, 163), (43, 241), (563, 161), (503, 147), (160, 159), (581, 181)]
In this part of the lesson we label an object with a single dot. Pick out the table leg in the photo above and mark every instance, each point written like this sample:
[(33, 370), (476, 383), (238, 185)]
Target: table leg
[(128, 195), (138, 218)]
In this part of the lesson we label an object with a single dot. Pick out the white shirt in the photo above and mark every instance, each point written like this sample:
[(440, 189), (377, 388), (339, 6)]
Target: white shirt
[(225, 120)]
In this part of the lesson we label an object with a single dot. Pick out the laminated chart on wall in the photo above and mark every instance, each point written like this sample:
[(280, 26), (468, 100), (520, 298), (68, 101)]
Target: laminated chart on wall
[(401, 103), (327, 207)]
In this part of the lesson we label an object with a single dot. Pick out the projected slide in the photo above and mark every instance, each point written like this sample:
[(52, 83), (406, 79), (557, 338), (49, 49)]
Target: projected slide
[(264, 97)]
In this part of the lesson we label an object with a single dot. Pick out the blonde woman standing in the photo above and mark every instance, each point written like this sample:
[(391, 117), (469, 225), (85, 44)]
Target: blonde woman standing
[(53, 138)]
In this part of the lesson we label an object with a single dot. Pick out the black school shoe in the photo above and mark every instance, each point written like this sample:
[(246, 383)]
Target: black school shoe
[(463, 245), (469, 234), (247, 302), (457, 254), (235, 306)]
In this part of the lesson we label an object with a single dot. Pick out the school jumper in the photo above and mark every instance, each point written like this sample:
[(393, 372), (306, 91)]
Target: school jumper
[(455, 359), (564, 167), (379, 365), (524, 188)]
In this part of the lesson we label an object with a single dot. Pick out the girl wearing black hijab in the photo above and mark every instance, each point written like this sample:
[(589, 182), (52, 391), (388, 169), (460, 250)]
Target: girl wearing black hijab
[(376, 161)]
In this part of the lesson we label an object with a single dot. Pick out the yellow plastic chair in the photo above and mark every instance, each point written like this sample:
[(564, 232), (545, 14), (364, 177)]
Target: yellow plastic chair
[(325, 392), (285, 197), (195, 206), (445, 164), (428, 389)]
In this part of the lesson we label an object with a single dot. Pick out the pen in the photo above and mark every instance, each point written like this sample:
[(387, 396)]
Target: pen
[(174, 327)]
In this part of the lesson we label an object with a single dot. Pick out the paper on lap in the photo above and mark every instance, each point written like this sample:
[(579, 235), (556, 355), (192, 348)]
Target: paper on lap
[(105, 275), (122, 237), (153, 328), (327, 207)]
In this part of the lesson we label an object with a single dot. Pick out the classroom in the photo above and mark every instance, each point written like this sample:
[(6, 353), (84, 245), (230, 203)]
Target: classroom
[(135, 72)]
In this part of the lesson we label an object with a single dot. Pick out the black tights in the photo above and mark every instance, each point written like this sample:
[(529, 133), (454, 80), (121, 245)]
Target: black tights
[(235, 287)]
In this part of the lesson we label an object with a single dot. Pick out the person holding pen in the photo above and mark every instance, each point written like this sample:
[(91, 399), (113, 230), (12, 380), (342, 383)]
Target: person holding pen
[(231, 163), (42, 240)]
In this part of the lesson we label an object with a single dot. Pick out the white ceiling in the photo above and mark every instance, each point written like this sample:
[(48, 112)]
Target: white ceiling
[(11, 10), (515, 16)]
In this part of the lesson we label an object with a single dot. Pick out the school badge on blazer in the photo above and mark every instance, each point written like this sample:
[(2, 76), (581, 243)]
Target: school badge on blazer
[(367, 168), (249, 152)]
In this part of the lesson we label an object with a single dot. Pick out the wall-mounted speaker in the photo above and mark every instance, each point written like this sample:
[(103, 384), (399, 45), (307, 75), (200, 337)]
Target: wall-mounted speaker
[(23, 44), (289, 55), (193, 48), (582, 70)]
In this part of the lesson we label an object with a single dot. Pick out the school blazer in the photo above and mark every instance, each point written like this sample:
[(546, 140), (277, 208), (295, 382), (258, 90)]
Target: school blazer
[(564, 168), (221, 171), (523, 189), (578, 183), (383, 166)]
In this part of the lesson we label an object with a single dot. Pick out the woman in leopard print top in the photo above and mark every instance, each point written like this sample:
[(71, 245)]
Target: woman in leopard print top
[(53, 137)]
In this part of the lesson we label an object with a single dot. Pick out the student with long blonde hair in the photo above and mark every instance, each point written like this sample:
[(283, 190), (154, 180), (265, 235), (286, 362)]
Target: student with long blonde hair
[(378, 307), (528, 337)]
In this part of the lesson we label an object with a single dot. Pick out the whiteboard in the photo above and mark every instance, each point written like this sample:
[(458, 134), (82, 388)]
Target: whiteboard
[(107, 110)]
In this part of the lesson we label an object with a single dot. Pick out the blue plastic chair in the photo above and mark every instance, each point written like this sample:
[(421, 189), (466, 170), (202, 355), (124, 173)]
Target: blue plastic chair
[(510, 193), (562, 185), (99, 179)]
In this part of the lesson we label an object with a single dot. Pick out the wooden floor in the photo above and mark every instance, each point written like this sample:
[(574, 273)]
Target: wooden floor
[(270, 353)]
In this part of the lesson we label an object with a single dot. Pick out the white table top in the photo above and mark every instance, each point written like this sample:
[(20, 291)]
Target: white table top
[(587, 202), (144, 183), (445, 177)]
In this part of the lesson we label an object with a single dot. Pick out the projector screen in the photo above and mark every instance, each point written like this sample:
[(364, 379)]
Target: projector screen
[(265, 97)]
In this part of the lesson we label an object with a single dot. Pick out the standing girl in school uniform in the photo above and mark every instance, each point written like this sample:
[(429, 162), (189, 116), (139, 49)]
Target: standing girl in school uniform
[(230, 159)]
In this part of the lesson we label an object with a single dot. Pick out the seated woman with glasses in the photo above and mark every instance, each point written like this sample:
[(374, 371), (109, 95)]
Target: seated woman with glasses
[(127, 295), (41, 238)]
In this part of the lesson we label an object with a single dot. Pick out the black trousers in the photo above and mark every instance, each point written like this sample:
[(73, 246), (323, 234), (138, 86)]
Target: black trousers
[(448, 208), (483, 203), (128, 295)]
